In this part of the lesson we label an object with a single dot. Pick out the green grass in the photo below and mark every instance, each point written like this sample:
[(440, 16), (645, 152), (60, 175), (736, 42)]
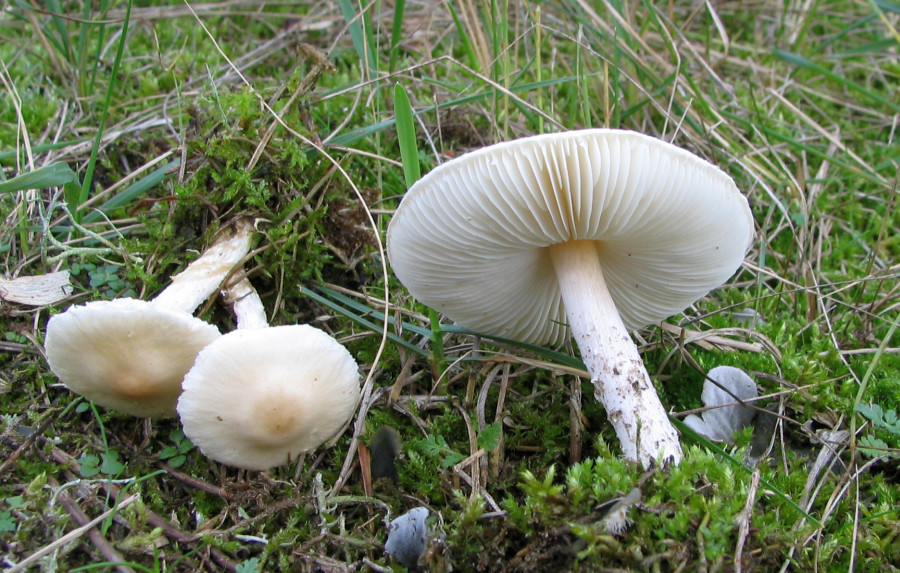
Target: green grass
[(128, 139)]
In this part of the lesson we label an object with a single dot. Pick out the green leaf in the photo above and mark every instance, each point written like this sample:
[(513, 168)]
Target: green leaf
[(433, 445), (168, 452), (880, 418), (248, 566), (406, 136), (184, 446), (489, 438), (54, 175), (872, 446), (873, 412), (111, 465), (90, 465), (7, 522), (16, 501)]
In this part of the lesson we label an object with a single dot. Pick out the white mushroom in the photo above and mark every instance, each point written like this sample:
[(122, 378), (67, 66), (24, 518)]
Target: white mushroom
[(605, 230), (259, 396), (131, 355), (725, 387)]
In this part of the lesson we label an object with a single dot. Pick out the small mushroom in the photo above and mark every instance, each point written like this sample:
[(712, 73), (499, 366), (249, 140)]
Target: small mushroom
[(603, 230), (259, 396), (725, 387), (408, 537), (131, 355)]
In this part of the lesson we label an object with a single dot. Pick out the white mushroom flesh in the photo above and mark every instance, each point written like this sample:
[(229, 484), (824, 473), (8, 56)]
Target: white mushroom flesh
[(621, 382), (203, 276)]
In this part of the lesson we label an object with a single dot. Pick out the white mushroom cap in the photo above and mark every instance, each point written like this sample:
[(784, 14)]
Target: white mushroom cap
[(724, 415), (469, 238), (126, 354), (256, 398)]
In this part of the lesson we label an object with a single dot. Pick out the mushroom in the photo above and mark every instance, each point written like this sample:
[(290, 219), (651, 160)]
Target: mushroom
[(259, 396), (607, 230), (724, 390), (131, 355), (408, 537)]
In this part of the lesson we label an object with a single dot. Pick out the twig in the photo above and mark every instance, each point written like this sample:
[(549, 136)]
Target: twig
[(71, 536), (280, 506), (196, 483), (38, 432), (743, 520), (576, 420), (153, 519), (105, 547)]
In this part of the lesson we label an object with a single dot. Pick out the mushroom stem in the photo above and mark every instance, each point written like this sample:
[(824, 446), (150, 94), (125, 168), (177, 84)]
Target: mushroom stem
[(202, 277), (621, 382), (246, 305)]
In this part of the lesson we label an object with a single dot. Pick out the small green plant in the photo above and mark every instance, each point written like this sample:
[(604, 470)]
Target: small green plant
[(107, 279), (174, 455), (7, 522), (888, 422), (489, 437), (108, 276), (248, 566), (15, 337), (108, 464), (436, 447)]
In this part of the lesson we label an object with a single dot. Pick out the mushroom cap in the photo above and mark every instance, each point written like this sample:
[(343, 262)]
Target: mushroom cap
[(126, 354), (256, 398), (469, 238), (720, 422)]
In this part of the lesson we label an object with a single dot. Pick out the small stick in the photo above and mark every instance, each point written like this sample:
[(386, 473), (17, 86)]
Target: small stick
[(153, 519), (71, 536), (576, 420), (26, 443), (743, 520), (196, 483), (101, 543)]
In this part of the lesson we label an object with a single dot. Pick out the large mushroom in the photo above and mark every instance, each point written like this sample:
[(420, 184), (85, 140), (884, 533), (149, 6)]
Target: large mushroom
[(603, 230), (131, 355), (259, 396)]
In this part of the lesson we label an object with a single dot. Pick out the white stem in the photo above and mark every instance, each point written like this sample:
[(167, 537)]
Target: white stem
[(246, 305), (201, 278), (621, 382)]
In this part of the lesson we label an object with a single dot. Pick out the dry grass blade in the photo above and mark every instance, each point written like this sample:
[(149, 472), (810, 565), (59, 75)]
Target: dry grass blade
[(71, 536)]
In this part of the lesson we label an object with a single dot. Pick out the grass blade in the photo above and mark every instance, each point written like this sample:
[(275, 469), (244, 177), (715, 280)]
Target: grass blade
[(406, 136), (344, 304), (396, 32), (358, 35), (54, 175), (133, 191), (358, 318), (799, 61), (88, 181)]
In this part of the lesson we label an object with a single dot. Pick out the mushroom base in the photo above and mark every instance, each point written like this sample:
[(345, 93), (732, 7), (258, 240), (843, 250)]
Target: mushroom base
[(621, 381)]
